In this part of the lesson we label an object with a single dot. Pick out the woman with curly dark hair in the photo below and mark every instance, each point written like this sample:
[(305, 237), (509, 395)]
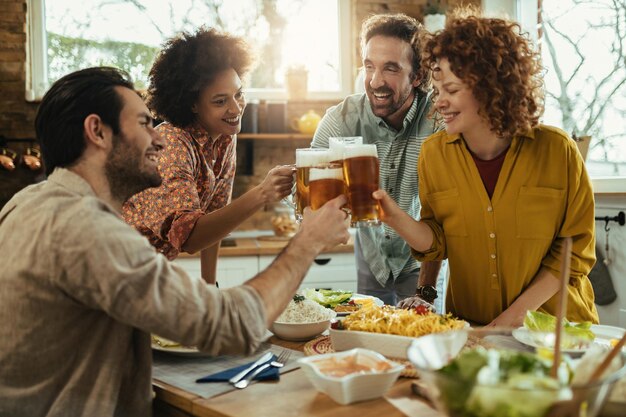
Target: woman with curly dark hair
[(195, 86), (499, 191)]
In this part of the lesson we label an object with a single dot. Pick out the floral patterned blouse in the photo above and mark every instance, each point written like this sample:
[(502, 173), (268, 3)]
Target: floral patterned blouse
[(198, 174)]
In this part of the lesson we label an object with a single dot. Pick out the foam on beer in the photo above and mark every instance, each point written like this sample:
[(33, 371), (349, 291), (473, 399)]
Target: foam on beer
[(326, 174), (337, 144), (353, 151), (308, 157)]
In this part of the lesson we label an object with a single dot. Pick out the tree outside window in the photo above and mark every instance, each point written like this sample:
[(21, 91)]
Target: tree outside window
[(128, 34), (583, 43)]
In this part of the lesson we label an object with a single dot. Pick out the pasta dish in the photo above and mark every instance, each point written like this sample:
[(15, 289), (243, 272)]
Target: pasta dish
[(391, 320)]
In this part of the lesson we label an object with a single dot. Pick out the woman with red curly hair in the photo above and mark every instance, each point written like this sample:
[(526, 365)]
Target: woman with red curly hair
[(499, 191), (195, 86)]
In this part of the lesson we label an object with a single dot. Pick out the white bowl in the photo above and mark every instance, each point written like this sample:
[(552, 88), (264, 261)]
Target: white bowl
[(356, 386), (298, 332), (390, 345)]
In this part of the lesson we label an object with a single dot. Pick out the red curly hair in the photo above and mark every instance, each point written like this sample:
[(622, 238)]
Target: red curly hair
[(497, 63)]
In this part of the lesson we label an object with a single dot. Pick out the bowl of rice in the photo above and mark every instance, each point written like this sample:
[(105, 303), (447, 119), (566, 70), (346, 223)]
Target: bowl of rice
[(303, 319)]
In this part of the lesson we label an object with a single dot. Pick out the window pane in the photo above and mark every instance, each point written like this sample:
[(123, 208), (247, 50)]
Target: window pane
[(127, 34), (583, 48)]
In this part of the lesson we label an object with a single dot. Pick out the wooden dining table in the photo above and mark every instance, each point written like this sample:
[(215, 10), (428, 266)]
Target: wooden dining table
[(292, 395)]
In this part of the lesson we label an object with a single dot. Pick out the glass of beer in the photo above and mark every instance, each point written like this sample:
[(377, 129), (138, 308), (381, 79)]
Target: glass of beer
[(361, 175), (337, 144), (325, 183), (306, 158)]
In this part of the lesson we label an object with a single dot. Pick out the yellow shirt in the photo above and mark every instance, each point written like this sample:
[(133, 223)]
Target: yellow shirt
[(496, 246)]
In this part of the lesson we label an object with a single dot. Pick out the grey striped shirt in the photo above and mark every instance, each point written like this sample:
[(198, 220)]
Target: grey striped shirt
[(383, 249)]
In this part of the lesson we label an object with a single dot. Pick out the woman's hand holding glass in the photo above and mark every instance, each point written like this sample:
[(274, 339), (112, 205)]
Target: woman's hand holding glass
[(277, 183)]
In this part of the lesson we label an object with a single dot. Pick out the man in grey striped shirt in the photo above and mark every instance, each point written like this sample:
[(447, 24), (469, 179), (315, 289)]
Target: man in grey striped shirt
[(393, 114)]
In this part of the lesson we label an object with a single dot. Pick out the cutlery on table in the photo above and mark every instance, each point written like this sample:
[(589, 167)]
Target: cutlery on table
[(263, 359), (278, 363)]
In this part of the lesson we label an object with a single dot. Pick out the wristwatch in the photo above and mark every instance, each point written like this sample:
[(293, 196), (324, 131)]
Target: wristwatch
[(427, 293)]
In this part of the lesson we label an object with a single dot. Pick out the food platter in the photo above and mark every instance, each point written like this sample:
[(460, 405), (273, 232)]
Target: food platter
[(604, 335), (377, 301)]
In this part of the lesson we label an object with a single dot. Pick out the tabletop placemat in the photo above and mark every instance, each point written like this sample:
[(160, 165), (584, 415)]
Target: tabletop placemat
[(182, 371), (323, 344)]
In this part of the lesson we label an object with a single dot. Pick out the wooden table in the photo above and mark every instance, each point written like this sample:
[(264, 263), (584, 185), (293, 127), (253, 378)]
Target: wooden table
[(293, 395)]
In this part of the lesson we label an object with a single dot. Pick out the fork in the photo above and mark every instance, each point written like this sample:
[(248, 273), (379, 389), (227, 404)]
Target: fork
[(278, 363)]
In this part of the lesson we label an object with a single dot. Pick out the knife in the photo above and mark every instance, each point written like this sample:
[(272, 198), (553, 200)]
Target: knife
[(265, 358)]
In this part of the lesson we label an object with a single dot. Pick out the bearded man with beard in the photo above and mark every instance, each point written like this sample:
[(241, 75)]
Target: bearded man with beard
[(81, 290), (393, 113)]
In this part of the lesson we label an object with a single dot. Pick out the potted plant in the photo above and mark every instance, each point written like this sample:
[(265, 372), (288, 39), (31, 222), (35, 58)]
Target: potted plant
[(434, 16)]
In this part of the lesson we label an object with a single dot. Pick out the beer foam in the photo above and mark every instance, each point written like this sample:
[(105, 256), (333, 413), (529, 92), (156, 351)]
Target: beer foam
[(307, 157), (352, 151), (325, 173), (337, 144)]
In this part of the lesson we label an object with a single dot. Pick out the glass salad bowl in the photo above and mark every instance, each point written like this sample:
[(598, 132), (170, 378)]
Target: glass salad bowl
[(488, 373)]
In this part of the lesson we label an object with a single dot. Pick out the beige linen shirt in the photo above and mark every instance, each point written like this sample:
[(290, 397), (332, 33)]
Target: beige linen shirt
[(80, 291)]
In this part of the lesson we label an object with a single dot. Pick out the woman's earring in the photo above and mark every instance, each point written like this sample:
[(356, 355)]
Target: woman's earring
[(32, 158), (7, 158)]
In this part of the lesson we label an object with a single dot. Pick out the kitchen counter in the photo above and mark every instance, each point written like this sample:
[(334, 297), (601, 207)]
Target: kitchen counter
[(262, 245)]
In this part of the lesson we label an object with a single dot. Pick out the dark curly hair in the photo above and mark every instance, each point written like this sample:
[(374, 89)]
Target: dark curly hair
[(188, 63), (497, 62), (399, 26)]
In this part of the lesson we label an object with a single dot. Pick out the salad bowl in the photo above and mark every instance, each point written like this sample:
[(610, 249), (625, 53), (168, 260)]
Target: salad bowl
[(487, 373)]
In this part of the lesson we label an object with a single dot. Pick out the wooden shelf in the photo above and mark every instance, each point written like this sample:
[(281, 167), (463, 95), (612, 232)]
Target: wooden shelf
[(274, 136)]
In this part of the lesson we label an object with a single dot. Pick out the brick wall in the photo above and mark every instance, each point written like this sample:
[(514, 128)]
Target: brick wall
[(16, 115)]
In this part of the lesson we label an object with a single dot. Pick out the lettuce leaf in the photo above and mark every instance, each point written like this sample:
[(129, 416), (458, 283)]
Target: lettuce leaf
[(543, 322), (327, 298)]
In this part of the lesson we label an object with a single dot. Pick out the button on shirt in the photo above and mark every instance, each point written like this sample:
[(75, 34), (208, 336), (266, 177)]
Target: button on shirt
[(79, 298), (382, 248), (496, 246)]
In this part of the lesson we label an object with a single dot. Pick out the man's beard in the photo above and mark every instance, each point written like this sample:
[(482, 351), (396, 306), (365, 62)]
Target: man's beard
[(123, 170), (394, 106)]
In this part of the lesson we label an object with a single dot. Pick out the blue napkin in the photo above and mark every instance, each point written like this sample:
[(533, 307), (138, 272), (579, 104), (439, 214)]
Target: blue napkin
[(269, 374)]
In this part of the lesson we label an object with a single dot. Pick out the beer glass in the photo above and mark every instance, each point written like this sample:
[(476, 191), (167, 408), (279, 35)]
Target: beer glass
[(361, 175), (337, 144), (325, 183), (306, 158)]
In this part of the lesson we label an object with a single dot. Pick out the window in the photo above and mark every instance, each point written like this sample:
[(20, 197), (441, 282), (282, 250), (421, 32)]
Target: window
[(66, 35), (583, 47)]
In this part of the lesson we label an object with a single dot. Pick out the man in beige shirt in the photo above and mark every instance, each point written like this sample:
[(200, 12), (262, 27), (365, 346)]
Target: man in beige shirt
[(80, 290)]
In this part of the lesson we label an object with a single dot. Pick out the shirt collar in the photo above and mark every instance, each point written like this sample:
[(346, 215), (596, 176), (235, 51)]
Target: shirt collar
[(530, 134), (198, 133), (201, 136), (408, 118), (71, 181)]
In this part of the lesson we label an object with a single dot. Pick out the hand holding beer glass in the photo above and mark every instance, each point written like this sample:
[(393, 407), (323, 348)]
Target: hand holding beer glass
[(361, 176), (306, 158)]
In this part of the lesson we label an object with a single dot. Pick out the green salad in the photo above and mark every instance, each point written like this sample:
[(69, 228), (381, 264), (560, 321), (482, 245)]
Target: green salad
[(501, 383), (327, 298), (579, 333)]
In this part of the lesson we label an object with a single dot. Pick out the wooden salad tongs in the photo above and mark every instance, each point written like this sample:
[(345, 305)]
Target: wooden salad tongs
[(574, 406)]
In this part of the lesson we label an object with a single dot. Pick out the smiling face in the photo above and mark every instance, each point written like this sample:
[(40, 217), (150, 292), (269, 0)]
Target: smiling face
[(131, 165), (456, 102), (220, 105), (389, 79)]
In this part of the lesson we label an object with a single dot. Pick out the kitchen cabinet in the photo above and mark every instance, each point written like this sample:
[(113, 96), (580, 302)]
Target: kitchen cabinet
[(231, 271), (333, 270)]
